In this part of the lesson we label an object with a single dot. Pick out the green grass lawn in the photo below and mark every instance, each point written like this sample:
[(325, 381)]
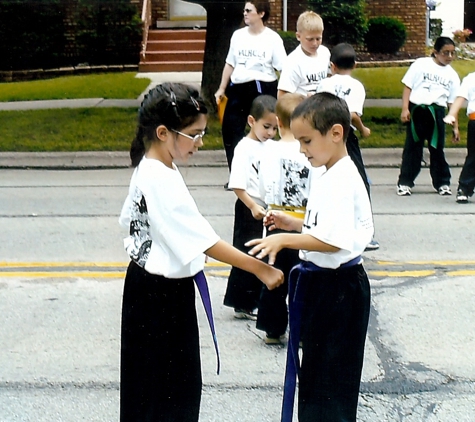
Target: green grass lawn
[(112, 129), (104, 85)]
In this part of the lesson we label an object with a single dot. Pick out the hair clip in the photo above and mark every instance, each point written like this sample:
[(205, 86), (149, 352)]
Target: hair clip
[(195, 103), (173, 98)]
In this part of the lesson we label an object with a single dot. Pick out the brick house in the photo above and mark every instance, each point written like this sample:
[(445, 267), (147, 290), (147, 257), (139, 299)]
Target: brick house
[(177, 13)]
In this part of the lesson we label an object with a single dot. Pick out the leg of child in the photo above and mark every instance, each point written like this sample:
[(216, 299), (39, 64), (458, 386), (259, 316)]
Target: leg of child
[(439, 168), (467, 176), (335, 316)]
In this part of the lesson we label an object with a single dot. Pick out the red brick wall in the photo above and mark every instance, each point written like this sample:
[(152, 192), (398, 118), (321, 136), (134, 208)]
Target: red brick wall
[(412, 13)]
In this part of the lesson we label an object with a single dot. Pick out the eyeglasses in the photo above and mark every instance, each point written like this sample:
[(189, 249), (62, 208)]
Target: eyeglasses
[(196, 139), (448, 53), (248, 11)]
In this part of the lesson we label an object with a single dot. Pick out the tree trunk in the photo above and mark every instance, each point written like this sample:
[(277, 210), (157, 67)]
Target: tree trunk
[(223, 18)]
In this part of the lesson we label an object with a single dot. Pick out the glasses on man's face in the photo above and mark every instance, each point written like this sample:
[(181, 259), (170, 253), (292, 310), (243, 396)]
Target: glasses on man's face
[(248, 11), (448, 53), (196, 139)]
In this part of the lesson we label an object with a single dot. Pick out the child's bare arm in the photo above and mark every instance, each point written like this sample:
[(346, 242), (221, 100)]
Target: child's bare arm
[(271, 245), (452, 117), (358, 124), (224, 252), (258, 212), (405, 113), (280, 220)]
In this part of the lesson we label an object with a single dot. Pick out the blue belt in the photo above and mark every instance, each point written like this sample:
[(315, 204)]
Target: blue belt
[(202, 284), (296, 296)]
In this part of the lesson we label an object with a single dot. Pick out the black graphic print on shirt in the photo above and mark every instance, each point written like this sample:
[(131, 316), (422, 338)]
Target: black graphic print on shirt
[(139, 230), (295, 188)]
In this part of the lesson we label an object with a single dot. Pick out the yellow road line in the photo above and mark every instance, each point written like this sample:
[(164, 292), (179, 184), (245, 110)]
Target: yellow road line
[(448, 263), (421, 273), (65, 274), (84, 264), (460, 273)]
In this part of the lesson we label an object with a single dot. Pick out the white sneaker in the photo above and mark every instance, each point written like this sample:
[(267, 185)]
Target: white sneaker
[(444, 190), (403, 190), (461, 197)]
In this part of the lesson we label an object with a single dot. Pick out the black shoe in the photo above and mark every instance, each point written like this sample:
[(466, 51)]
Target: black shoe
[(226, 187), (462, 198)]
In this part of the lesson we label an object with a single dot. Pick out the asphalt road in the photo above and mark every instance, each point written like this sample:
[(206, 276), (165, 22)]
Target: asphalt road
[(61, 277)]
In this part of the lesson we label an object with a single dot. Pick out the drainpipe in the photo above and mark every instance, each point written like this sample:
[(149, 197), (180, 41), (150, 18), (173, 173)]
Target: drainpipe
[(284, 15)]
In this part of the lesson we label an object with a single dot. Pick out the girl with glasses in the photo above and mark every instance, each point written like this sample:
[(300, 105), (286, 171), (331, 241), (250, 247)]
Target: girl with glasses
[(167, 244)]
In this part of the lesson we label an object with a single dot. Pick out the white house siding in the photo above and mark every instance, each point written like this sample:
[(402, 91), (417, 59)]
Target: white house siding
[(451, 12)]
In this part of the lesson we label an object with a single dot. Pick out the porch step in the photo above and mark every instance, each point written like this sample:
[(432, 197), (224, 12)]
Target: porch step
[(174, 50)]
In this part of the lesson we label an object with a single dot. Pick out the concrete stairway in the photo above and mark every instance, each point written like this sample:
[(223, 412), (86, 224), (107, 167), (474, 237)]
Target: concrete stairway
[(174, 50)]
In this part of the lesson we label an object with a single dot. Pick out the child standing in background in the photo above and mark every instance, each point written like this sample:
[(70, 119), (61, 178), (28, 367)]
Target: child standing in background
[(329, 291), (160, 368), (467, 176), (345, 86), (309, 63), (284, 180), (430, 85), (243, 288)]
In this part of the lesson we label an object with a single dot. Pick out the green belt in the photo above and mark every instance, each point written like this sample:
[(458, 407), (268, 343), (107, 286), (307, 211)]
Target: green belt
[(435, 134)]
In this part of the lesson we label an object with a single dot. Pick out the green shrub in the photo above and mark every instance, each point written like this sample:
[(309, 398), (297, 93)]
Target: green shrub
[(385, 35), (344, 21), (290, 40), (31, 34)]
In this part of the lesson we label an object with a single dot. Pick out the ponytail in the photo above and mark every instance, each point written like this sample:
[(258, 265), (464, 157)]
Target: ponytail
[(137, 149)]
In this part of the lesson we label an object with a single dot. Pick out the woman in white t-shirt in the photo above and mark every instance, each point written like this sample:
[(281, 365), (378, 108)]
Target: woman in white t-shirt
[(430, 85), (167, 242), (255, 53)]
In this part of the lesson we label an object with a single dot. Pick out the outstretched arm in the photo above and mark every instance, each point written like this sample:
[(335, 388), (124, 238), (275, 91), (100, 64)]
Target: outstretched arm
[(271, 245), (224, 252)]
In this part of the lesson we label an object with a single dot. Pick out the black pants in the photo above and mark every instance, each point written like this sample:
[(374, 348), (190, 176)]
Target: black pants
[(243, 289), (160, 369), (334, 323), (467, 176), (273, 315), (412, 153), (240, 98), (354, 151)]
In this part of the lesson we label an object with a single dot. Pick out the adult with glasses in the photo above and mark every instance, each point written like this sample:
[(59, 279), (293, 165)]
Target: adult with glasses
[(254, 55), (430, 86)]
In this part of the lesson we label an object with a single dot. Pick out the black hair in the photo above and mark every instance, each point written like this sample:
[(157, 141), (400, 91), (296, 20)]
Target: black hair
[(343, 56), (262, 6), (261, 105), (441, 42), (324, 110), (172, 105)]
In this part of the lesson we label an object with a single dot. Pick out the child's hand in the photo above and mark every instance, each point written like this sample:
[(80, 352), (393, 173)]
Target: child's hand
[(269, 246), (405, 116), (278, 220), (365, 132), (258, 212), (455, 136), (450, 120), (272, 277)]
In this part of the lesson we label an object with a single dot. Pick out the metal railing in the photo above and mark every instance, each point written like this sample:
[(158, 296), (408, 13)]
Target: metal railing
[(146, 22)]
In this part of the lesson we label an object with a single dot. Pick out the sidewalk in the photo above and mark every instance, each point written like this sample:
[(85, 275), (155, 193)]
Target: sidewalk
[(374, 157)]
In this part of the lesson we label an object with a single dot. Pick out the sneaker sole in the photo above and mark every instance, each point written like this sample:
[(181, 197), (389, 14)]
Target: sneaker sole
[(403, 193), (243, 315), (462, 201)]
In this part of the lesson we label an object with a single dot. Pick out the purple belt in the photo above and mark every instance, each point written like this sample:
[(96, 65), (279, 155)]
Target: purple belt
[(296, 296), (202, 284)]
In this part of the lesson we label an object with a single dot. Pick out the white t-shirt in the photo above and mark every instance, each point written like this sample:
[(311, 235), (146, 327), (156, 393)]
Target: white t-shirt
[(168, 235), (338, 213), (431, 83), (347, 88), (302, 74), (467, 91), (284, 177), (255, 57), (245, 167)]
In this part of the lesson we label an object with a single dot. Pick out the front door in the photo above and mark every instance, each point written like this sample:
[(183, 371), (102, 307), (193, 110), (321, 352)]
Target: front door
[(469, 18)]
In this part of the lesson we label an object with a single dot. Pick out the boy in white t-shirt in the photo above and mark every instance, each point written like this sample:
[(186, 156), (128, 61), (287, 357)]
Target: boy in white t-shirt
[(345, 86), (329, 291), (467, 176), (244, 288), (309, 63)]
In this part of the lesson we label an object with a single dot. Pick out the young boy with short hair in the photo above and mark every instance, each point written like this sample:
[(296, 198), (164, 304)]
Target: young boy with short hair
[(329, 290), (309, 63), (345, 86), (244, 288)]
